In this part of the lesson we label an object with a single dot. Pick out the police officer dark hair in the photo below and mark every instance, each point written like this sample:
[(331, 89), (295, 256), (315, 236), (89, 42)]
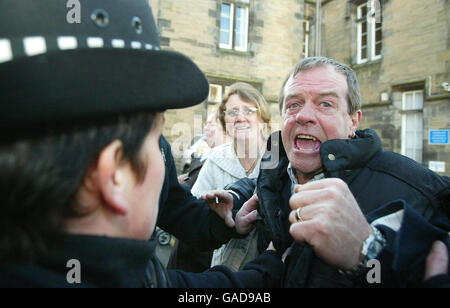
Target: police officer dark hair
[(41, 173)]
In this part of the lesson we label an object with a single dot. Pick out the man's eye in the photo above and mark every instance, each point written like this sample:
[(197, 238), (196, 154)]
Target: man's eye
[(325, 104), (293, 106)]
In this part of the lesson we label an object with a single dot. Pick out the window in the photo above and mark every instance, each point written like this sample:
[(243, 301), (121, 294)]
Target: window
[(215, 93), (412, 125), (305, 45), (370, 31), (227, 89), (219, 87), (226, 26), (377, 39), (234, 26), (362, 33)]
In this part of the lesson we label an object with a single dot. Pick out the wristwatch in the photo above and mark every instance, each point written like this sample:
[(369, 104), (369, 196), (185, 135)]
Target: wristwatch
[(371, 248)]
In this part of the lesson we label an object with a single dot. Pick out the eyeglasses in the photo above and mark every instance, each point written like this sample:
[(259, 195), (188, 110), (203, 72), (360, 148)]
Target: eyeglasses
[(248, 111)]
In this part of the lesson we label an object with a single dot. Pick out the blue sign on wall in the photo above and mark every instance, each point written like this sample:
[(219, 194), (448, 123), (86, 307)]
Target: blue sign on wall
[(438, 136)]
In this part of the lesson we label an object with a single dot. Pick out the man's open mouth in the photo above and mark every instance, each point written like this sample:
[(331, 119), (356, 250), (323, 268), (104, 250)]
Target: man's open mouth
[(307, 143)]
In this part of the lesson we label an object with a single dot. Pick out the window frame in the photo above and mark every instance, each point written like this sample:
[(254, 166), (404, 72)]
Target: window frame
[(230, 28), (219, 93), (232, 38), (225, 84), (371, 29), (374, 28), (360, 20), (245, 34), (411, 111), (305, 42)]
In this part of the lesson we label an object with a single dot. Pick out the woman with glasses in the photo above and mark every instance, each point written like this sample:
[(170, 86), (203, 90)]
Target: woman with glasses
[(245, 115)]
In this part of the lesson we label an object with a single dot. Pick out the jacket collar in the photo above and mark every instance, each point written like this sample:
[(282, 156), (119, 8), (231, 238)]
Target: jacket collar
[(336, 154), (104, 261)]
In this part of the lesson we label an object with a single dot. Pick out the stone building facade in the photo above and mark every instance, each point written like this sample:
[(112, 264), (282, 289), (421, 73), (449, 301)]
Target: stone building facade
[(272, 45), (402, 58), (398, 48)]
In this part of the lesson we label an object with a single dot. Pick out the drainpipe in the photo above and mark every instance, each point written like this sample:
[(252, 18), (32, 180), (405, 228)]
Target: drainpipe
[(318, 26)]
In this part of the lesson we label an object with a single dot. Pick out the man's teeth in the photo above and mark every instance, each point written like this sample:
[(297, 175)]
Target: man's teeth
[(306, 137)]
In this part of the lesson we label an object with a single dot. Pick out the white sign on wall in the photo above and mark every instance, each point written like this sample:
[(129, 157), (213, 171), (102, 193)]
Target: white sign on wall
[(436, 166)]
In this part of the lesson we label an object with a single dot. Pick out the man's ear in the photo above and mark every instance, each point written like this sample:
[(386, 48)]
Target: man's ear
[(355, 119), (110, 178)]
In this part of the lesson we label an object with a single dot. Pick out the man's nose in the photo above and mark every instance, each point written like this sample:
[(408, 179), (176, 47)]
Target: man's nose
[(306, 115)]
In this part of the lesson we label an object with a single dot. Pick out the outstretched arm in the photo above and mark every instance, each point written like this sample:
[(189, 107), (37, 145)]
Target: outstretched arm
[(263, 272), (187, 217), (221, 202)]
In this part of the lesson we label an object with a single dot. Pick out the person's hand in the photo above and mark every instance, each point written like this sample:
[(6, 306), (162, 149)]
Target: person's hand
[(182, 178), (437, 260), (333, 223), (271, 247), (221, 202), (247, 215)]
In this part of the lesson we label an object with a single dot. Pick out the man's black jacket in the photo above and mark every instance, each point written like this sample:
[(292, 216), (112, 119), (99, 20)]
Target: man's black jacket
[(406, 201), (86, 261)]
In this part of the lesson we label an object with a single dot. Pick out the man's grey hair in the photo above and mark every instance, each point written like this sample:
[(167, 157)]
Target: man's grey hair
[(353, 95)]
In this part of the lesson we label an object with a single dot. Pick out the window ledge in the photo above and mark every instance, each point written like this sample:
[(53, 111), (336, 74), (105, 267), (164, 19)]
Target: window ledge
[(376, 104), (368, 63), (234, 52)]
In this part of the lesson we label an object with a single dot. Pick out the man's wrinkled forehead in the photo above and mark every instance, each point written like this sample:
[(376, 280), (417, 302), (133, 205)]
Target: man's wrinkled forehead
[(325, 78)]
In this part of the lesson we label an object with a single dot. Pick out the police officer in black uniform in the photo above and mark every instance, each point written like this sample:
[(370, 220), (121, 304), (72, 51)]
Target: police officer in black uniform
[(82, 165)]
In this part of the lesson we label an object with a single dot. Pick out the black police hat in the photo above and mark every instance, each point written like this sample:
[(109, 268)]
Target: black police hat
[(56, 70)]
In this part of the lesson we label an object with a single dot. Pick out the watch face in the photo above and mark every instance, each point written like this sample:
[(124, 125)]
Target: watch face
[(373, 250), (375, 246), (366, 245)]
